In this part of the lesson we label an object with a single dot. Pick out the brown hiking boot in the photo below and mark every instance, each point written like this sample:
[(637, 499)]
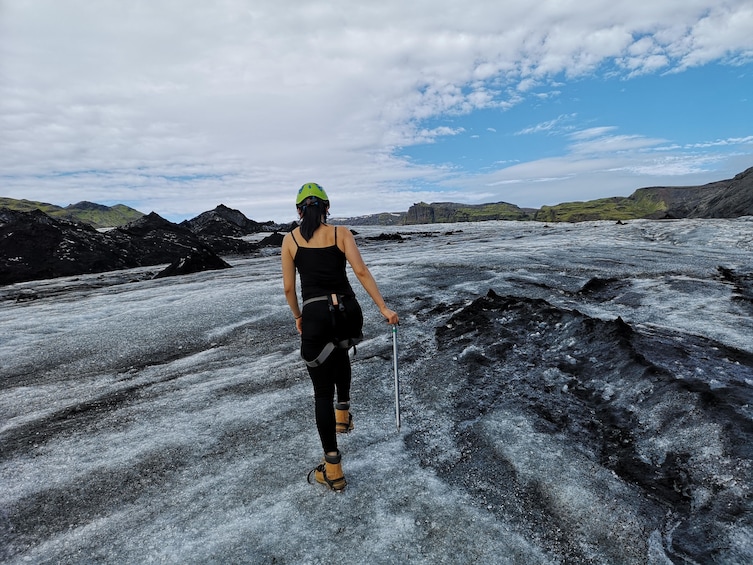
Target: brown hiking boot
[(330, 473), (343, 418)]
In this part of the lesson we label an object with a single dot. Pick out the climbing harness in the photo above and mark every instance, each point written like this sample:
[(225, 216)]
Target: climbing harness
[(336, 309)]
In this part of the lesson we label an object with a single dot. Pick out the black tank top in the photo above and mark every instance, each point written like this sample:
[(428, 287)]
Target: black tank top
[(322, 270)]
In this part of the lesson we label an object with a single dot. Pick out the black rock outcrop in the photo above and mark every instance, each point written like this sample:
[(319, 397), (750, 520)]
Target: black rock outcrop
[(154, 240), (196, 261), (273, 240), (36, 246)]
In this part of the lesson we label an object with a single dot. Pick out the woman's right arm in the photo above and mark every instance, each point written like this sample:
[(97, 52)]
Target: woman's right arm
[(353, 255), (288, 279)]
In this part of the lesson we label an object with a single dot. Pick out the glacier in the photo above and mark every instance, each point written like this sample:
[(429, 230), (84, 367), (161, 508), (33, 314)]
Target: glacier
[(570, 393)]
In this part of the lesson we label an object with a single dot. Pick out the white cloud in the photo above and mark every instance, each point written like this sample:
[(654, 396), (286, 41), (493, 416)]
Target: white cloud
[(613, 144), (591, 133), (548, 126), (748, 140), (177, 105)]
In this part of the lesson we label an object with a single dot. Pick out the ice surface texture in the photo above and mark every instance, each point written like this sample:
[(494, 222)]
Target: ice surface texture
[(594, 407)]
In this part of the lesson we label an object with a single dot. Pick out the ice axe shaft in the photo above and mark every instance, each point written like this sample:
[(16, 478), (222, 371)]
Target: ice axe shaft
[(397, 377)]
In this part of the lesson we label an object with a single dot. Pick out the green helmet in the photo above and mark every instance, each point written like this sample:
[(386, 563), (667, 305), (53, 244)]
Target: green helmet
[(310, 189)]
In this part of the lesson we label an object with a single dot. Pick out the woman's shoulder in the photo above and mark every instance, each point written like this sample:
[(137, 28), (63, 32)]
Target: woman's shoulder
[(341, 229), (335, 232), (344, 238)]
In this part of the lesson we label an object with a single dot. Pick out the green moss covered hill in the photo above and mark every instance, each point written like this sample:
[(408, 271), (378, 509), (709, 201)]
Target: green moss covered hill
[(638, 205), (729, 198), (97, 215)]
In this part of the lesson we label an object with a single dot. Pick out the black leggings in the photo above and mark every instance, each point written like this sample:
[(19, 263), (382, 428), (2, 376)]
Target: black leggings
[(331, 376)]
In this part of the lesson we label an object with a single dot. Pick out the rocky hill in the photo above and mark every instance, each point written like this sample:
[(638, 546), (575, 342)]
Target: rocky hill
[(34, 245), (222, 228), (224, 221), (724, 199), (96, 215)]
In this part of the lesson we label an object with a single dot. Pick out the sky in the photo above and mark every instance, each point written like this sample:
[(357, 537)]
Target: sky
[(178, 106)]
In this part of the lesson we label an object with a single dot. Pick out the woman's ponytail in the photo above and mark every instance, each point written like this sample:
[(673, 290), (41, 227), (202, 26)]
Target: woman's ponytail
[(313, 214)]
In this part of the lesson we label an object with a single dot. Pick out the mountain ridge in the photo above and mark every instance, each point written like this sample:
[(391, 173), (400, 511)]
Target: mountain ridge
[(96, 215), (730, 198)]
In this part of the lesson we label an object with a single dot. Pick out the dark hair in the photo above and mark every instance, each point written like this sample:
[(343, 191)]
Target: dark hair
[(313, 214)]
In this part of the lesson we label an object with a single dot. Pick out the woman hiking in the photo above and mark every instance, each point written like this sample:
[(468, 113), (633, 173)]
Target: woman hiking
[(328, 315)]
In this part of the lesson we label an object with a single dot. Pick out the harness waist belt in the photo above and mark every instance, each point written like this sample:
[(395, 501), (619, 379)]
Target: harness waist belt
[(314, 299)]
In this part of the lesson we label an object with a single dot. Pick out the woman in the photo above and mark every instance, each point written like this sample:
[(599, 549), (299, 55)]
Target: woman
[(329, 315)]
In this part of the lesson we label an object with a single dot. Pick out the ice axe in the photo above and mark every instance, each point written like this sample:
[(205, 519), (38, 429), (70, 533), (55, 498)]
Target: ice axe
[(397, 378)]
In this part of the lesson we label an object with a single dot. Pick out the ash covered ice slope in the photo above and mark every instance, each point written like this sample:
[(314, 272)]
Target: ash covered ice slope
[(594, 407)]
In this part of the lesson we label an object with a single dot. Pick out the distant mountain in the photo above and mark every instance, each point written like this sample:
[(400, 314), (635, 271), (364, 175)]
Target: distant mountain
[(381, 219), (729, 198), (96, 215), (442, 212)]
